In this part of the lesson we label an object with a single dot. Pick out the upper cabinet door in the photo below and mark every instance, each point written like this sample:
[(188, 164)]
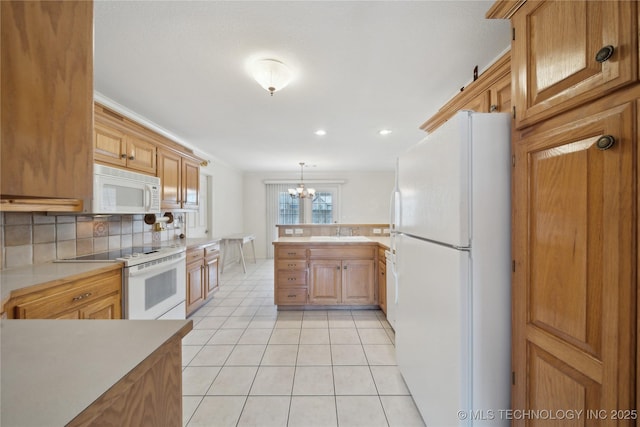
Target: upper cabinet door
[(141, 155), (169, 172), (559, 63), (190, 184), (47, 98), (109, 145)]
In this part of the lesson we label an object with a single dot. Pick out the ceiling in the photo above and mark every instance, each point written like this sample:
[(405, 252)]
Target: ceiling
[(359, 66)]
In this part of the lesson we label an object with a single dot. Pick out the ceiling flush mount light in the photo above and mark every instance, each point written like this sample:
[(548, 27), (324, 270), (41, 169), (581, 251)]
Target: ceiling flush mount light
[(321, 132), (271, 74), (384, 132), (301, 192)]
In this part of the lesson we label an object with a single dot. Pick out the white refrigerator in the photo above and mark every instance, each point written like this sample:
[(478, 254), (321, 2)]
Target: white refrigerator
[(453, 270)]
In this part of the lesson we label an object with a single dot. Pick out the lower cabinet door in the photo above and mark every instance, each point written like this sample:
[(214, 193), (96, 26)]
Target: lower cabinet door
[(195, 286), (358, 282), (325, 282), (105, 308), (212, 276), (574, 281)]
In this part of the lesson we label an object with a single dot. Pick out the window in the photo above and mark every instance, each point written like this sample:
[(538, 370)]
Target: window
[(282, 209), (288, 209), (320, 210)]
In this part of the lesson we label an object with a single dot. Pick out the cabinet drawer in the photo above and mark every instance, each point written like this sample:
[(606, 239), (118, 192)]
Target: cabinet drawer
[(53, 306), (212, 251), (194, 255), (211, 254), (294, 296), (292, 252), (292, 277), (293, 264), (341, 252)]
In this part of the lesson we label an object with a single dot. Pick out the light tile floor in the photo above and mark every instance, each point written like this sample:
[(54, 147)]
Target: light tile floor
[(247, 364)]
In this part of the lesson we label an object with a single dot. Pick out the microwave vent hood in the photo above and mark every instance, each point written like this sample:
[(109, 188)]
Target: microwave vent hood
[(119, 191)]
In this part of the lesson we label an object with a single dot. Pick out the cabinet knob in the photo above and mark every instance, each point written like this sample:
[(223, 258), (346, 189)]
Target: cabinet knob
[(132, 158), (338, 268), (605, 142), (124, 156), (493, 108), (604, 53)]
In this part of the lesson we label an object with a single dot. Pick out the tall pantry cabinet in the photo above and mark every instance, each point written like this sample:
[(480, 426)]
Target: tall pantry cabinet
[(574, 74)]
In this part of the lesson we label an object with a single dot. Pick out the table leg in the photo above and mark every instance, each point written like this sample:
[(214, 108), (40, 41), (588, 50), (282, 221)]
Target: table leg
[(240, 246), (253, 247), (224, 255)]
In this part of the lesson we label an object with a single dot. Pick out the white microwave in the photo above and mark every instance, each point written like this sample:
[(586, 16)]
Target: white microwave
[(118, 191)]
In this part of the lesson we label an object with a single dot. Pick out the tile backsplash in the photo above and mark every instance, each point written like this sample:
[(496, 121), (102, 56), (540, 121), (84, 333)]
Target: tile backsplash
[(34, 238)]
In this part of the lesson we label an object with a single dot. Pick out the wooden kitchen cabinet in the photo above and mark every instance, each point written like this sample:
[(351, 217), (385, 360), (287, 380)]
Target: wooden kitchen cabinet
[(574, 207), (94, 297), (342, 274), (115, 148), (47, 105), (573, 249), (325, 282), (195, 280), (342, 282), (554, 58), (202, 275), (320, 274), (180, 178), (490, 93), (211, 258), (358, 282), (382, 283), (291, 286)]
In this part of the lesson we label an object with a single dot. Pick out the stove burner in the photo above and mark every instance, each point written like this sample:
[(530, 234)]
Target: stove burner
[(137, 253)]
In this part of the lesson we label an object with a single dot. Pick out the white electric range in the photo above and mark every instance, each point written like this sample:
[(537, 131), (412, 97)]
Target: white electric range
[(154, 280)]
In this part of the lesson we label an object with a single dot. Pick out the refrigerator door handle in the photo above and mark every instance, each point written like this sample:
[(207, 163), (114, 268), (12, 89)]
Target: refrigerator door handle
[(392, 210), (394, 272)]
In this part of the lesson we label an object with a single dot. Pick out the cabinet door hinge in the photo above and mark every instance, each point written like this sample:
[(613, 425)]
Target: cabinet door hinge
[(513, 33), (514, 112), (513, 160), (513, 378), (513, 265)]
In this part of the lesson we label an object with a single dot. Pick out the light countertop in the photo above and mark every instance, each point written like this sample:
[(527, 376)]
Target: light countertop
[(193, 243), (54, 369), (380, 240)]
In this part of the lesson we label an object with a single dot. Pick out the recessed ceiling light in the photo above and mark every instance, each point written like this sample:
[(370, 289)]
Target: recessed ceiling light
[(321, 132), (385, 132)]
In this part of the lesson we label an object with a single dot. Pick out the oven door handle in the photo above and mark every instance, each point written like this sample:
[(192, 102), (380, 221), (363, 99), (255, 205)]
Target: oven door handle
[(134, 272)]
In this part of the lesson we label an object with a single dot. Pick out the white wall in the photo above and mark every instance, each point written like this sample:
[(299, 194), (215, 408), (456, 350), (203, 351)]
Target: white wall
[(365, 198), (227, 202)]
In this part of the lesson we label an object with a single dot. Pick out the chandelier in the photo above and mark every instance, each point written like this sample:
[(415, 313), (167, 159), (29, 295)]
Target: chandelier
[(301, 192)]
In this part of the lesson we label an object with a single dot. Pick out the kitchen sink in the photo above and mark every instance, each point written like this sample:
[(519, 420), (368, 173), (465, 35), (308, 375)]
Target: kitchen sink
[(339, 239)]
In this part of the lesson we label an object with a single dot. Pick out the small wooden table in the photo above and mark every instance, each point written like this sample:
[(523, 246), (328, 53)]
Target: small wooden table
[(239, 239)]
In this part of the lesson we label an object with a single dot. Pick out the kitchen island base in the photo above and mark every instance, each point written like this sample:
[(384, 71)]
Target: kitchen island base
[(326, 272)]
